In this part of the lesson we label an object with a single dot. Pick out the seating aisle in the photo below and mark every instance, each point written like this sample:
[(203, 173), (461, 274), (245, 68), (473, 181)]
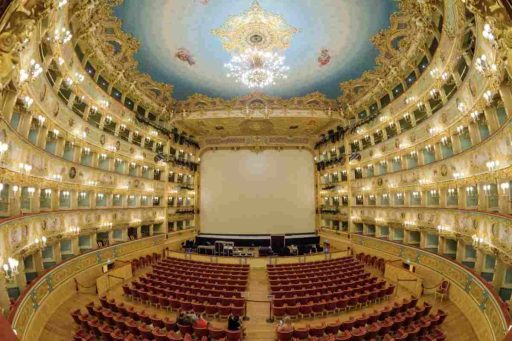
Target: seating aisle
[(61, 322)]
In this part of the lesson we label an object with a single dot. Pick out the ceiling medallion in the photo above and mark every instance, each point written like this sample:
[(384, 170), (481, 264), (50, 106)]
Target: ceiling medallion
[(256, 39)]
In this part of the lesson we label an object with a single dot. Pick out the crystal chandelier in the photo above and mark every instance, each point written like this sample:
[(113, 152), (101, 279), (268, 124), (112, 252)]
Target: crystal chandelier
[(257, 69)]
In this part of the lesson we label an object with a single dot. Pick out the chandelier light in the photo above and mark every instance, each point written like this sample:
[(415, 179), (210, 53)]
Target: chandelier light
[(257, 69)]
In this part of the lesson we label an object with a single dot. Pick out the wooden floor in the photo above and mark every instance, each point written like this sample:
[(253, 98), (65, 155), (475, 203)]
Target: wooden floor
[(61, 326)]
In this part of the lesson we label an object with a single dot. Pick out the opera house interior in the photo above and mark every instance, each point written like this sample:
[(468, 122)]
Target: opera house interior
[(232, 170)]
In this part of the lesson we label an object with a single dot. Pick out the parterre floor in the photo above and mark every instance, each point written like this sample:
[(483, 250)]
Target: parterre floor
[(61, 326)]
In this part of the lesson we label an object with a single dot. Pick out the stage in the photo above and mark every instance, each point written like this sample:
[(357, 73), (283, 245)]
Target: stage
[(266, 244)]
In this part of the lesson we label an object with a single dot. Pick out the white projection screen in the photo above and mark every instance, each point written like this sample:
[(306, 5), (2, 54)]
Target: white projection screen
[(268, 192)]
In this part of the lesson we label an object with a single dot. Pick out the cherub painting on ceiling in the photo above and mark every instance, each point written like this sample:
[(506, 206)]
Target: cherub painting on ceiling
[(324, 58), (185, 56)]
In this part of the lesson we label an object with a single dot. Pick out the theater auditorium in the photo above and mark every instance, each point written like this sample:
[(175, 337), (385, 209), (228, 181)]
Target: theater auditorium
[(257, 170)]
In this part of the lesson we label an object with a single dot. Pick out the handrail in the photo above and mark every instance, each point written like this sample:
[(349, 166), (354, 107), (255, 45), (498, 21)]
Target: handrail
[(116, 277), (78, 286)]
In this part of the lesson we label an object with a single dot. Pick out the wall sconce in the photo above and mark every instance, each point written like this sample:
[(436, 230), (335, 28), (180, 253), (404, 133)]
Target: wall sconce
[(460, 129), (61, 36), (475, 115), (41, 242), (56, 177), (461, 106), (433, 130), (487, 32), (477, 241), (458, 175), (31, 191), (47, 192), (428, 148), (104, 103), (452, 192), (443, 228), (399, 195), (74, 230), (492, 164), (505, 186), (433, 193), (35, 70), (83, 195), (65, 193), (416, 194), (488, 96), (413, 153), (483, 66), (87, 150), (434, 93), (10, 268), (487, 189), (25, 167), (27, 101), (445, 140), (101, 195), (470, 190)]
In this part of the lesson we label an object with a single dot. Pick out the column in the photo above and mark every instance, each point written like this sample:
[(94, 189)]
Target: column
[(499, 274), (4, 296), (492, 119)]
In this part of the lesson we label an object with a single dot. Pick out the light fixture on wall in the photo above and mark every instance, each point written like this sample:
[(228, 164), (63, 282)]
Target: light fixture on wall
[(74, 230), (487, 189), (10, 268), (505, 186), (477, 241), (492, 165)]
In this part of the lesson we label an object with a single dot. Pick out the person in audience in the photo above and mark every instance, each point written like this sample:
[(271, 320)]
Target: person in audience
[(201, 322), (234, 322), (192, 316), (285, 325), (183, 319)]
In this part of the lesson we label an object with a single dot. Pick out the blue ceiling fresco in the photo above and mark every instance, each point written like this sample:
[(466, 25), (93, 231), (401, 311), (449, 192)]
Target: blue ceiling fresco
[(177, 45)]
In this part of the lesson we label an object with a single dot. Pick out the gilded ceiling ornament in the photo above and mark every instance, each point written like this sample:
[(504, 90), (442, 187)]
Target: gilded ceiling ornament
[(256, 28)]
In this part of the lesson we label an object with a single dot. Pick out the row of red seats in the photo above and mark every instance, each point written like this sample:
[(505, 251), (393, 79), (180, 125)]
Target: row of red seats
[(149, 294), (179, 291), (143, 261), (373, 261), (317, 296), (329, 268), (359, 286), (208, 266), (197, 282), (403, 319), (342, 282), (204, 272), (301, 275), (334, 305), (332, 270), (156, 273), (310, 264), (119, 322)]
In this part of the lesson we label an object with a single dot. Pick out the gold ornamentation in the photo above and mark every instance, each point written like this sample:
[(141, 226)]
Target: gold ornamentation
[(256, 28)]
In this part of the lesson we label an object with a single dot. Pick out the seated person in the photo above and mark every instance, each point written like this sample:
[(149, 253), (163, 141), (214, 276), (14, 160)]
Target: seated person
[(201, 322), (285, 325), (234, 323), (183, 319)]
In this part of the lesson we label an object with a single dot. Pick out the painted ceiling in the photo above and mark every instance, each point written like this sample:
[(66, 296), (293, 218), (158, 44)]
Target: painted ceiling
[(177, 45)]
